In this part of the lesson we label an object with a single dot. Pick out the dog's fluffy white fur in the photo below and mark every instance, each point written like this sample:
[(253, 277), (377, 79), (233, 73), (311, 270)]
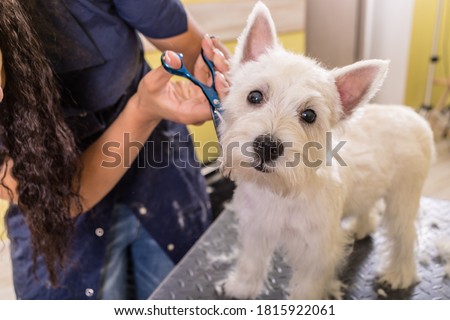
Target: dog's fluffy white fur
[(299, 208)]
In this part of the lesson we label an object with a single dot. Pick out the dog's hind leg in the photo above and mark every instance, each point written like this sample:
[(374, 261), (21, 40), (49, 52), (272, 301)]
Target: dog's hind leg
[(398, 269), (367, 220)]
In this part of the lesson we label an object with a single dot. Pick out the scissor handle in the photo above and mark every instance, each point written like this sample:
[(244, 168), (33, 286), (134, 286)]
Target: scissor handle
[(210, 92), (182, 71)]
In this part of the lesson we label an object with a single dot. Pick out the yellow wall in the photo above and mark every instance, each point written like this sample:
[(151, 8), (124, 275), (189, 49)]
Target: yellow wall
[(3, 207), (420, 50)]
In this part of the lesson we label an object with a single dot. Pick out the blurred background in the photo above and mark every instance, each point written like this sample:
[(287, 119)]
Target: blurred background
[(413, 34)]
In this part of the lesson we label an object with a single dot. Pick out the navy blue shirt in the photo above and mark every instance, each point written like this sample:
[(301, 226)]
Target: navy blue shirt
[(99, 68)]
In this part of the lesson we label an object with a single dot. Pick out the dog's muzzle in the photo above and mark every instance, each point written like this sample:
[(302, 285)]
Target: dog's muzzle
[(267, 148)]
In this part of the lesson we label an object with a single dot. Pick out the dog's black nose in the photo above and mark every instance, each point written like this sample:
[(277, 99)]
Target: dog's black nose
[(268, 147)]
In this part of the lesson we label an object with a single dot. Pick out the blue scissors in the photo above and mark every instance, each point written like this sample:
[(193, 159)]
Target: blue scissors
[(210, 92)]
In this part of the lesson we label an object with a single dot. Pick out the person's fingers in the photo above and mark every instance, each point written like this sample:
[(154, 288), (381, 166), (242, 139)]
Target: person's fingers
[(219, 45), (172, 59), (221, 56), (208, 47), (220, 62), (159, 77), (216, 56), (222, 85), (214, 51), (201, 71), (198, 124), (197, 110), (1, 94), (191, 104)]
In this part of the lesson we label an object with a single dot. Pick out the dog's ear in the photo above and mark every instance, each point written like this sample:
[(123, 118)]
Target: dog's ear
[(258, 36), (358, 82)]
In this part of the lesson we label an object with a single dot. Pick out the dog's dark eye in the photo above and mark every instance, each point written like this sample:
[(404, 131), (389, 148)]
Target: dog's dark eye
[(255, 97), (309, 116)]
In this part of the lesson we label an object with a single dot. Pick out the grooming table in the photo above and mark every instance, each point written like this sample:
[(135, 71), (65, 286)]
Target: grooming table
[(207, 263)]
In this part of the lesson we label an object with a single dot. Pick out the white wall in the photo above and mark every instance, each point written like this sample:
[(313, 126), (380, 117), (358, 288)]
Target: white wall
[(340, 32), (332, 29), (386, 35)]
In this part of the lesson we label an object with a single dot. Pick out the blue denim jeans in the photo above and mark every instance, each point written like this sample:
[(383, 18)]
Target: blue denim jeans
[(135, 264)]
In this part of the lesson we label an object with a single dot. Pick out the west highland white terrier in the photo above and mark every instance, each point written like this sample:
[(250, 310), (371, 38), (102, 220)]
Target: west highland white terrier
[(306, 151)]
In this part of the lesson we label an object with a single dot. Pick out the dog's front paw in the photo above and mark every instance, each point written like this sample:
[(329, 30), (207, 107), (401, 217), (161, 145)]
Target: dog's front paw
[(242, 287)]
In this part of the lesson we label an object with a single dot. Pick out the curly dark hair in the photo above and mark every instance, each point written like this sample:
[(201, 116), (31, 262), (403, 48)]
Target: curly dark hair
[(34, 135)]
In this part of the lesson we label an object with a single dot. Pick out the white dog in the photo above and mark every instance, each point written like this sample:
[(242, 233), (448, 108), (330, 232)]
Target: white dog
[(305, 151)]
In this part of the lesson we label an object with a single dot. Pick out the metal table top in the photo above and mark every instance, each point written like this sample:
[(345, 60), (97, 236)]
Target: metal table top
[(200, 272)]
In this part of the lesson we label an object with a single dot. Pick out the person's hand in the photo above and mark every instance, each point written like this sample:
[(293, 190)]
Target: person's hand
[(215, 52), (159, 98)]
